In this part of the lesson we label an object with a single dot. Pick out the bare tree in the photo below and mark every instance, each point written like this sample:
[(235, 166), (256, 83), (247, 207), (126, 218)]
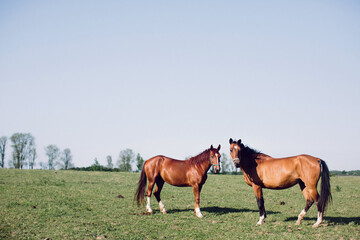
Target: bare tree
[(126, 158), (43, 165), (109, 162), (52, 151), (66, 159), (3, 141), (96, 162), (23, 144), (226, 164), (32, 157), (139, 162)]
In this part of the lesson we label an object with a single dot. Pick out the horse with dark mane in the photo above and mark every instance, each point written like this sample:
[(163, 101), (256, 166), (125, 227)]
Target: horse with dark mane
[(262, 171), (191, 172)]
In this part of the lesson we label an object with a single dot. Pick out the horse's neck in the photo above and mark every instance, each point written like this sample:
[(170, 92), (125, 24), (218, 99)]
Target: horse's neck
[(205, 166), (248, 169), (248, 162)]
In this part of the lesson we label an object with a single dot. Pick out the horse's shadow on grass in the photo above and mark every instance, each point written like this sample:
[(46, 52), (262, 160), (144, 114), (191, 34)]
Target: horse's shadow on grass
[(332, 220), (220, 210)]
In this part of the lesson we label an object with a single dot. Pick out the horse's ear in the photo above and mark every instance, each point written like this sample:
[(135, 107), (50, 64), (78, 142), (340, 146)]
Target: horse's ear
[(239, 142), (218, 149), (211, 147), (231, 141)]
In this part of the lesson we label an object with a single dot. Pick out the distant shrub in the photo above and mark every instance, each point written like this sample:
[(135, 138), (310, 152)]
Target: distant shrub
[(345, 173), (96, 167)]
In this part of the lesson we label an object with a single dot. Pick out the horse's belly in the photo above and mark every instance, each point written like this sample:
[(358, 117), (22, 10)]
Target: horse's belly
[(180, 185), (280, 183), (176, 179)]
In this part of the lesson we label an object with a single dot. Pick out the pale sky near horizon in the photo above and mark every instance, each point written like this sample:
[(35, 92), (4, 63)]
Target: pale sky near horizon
[(174, 77)]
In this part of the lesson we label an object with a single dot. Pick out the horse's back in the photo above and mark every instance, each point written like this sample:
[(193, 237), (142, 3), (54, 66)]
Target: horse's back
[(302, 159), (279, 173), (171, 170)]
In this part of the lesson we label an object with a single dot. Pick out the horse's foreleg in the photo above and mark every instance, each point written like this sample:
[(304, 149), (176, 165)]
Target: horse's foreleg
[(197, 190), (260, 202), (159, 186)]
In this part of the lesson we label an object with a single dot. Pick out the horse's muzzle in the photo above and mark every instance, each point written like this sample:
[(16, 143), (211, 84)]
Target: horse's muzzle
[(236, 162), (216, 171), (216, 168)]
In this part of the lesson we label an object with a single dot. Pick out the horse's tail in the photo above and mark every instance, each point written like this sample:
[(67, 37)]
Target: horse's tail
[(140, 192), (325, 192)]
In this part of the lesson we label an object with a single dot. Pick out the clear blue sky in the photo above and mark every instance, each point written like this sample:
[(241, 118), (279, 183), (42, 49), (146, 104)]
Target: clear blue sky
[(174, 77)]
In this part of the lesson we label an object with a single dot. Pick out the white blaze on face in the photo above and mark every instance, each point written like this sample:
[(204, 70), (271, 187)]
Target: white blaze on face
[(217, 168), (236, 158)]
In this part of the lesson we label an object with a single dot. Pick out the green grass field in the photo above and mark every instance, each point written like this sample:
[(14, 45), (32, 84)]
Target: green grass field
[(40, 204)]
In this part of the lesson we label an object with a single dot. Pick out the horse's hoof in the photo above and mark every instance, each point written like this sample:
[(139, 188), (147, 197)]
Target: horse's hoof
[(315, 225), (297, 223), (261, 220), (163, 211), (260, 223), (198, 213), (149, 210)]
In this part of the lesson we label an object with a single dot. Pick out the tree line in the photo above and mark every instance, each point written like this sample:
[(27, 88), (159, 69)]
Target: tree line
[(125, 163), (24, 155)]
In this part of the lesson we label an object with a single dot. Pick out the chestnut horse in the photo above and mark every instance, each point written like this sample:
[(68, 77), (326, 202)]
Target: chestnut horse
[(191, 172), (262, 171)]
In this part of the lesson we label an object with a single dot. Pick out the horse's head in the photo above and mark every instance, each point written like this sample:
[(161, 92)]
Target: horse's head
[(215, 158), (235, 149)]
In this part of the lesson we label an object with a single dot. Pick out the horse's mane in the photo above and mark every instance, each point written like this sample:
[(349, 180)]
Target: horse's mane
[(204, 156), (249, 155)]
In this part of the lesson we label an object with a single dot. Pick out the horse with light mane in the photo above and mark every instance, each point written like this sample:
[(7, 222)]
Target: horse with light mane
[(262, 171), (181, 173)]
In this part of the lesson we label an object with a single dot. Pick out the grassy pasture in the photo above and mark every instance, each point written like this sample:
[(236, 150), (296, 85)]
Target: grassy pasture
[(40, 204)]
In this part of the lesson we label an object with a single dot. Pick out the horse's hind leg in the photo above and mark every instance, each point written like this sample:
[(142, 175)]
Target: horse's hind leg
[(315, 196), (309, 202), (148, 194), (311, 195), (159, 186)]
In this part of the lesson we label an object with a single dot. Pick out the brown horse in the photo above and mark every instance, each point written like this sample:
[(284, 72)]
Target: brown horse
[(262, 171), (191, 172)]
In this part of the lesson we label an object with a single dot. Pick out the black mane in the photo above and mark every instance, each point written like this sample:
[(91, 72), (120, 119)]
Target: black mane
[(248, 156)]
